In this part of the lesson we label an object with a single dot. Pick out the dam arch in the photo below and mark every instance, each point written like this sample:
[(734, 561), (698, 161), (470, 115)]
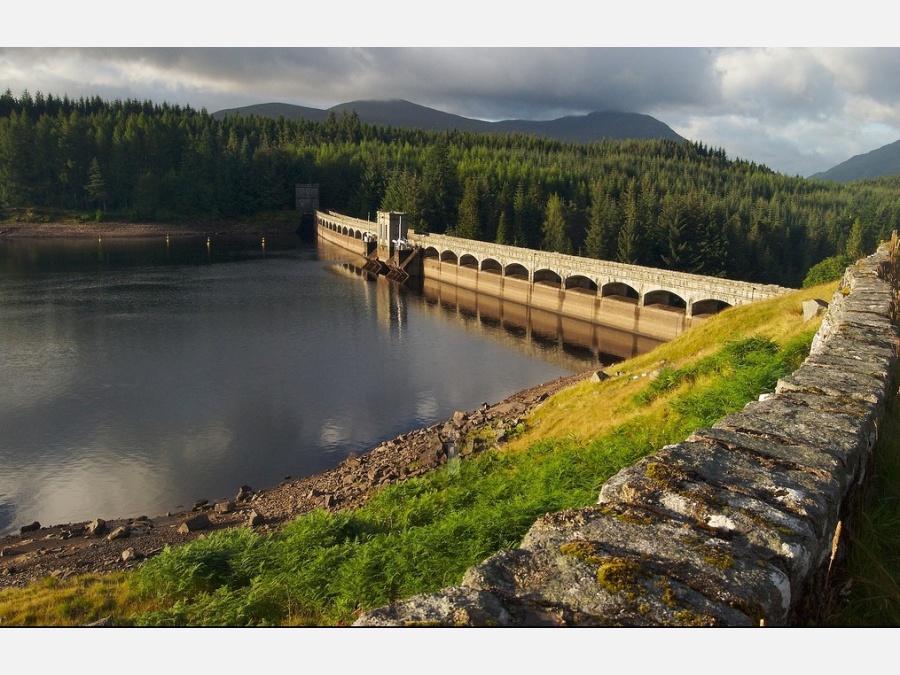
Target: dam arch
[(547, 277), (708, 306), (581, 284), (491, 266), (664, 298), (620, 291), (468, 260), (517, 271)]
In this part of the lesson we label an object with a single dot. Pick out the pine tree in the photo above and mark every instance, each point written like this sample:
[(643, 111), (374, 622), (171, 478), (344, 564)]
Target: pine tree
[(629, 240), (602, 232), (556, 227), (394, 198), (855, 245), (502, 230), (96, 186), (468, 224)]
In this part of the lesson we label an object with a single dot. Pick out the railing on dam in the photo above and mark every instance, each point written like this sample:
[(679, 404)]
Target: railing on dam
[(696, 293), (346, 225)]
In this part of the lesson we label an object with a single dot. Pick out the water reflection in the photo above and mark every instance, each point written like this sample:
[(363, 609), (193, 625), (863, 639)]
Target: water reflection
[(566, 341)]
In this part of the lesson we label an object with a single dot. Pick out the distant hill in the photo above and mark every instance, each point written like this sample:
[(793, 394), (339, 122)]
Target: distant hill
[(399, 113), (276, 110), (885, 161)]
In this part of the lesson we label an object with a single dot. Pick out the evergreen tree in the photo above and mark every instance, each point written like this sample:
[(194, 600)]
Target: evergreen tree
[(629, 240), (96, 186), (395, 192), (502, 230), (372, 186), (438, 189), (468, 223), (856, 248), (520, 217), (555, 227), (602, 233)]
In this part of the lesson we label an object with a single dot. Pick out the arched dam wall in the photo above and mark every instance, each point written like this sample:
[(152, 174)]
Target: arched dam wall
[(738, 525), (653, 303)]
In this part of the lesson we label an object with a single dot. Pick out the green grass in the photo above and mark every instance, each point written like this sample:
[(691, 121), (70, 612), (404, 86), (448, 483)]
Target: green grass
[(73, 602)]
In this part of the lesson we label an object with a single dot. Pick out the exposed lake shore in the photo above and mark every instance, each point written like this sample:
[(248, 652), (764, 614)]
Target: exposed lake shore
[(17, 229)]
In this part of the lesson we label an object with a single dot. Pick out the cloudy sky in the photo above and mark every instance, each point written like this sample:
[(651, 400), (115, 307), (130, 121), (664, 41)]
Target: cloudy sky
[(803, 95)]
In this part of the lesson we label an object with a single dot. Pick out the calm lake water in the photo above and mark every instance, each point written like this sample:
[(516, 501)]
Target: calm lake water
[(142, 375)]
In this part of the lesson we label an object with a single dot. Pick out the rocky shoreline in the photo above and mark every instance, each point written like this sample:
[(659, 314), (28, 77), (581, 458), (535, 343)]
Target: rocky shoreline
[(20, 230), (100, 546)]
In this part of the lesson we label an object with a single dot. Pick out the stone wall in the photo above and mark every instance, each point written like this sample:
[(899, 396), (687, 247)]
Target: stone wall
[(736, 526)]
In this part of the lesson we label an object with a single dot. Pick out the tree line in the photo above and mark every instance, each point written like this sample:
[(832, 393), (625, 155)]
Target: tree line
[(662, 203)]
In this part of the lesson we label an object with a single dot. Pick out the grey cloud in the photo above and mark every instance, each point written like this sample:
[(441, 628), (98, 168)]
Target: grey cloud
[(485, 82), (869, 72)]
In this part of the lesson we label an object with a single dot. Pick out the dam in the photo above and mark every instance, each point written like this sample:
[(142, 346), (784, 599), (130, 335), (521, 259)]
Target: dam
[(651, 303)]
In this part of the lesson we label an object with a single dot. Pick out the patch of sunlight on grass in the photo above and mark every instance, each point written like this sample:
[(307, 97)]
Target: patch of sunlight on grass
[(589, 409), (71, 602)]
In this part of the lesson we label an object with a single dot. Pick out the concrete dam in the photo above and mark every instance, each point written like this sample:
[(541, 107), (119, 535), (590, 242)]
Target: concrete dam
[(651, 304)]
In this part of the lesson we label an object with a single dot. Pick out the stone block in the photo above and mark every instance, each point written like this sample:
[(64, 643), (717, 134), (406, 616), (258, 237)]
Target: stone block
[(812, 308)]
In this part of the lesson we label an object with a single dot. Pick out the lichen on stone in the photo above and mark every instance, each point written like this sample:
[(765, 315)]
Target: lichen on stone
[(689, 619), (620, 575), (583, 550)]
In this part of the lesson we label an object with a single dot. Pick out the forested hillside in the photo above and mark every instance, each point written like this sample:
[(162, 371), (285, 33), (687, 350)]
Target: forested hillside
[(662, 203)]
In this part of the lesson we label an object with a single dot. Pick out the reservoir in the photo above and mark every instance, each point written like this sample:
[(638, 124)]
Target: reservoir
[(140, 375)]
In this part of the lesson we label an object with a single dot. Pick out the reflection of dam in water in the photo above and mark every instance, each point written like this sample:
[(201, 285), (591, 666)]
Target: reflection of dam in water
[(562, 341), (587, 342)]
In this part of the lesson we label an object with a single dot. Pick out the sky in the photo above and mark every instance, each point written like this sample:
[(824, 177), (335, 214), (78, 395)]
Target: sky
[(783, 84)]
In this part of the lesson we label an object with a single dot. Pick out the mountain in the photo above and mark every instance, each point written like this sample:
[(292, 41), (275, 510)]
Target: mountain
[(885, 161), (408, 115), (400, 113), (276, 110), (596, 125)]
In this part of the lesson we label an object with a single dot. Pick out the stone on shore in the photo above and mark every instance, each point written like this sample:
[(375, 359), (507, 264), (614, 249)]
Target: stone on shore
[(121, 532), (97, 527), (195, 524)]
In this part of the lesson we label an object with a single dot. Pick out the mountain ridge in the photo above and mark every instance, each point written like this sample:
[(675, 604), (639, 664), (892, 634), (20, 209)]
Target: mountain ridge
[(593, 126), (883, 161)]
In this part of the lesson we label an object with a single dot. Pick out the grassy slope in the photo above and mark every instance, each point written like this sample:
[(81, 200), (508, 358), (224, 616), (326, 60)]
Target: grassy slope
[(567, 415), (421, 535)]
